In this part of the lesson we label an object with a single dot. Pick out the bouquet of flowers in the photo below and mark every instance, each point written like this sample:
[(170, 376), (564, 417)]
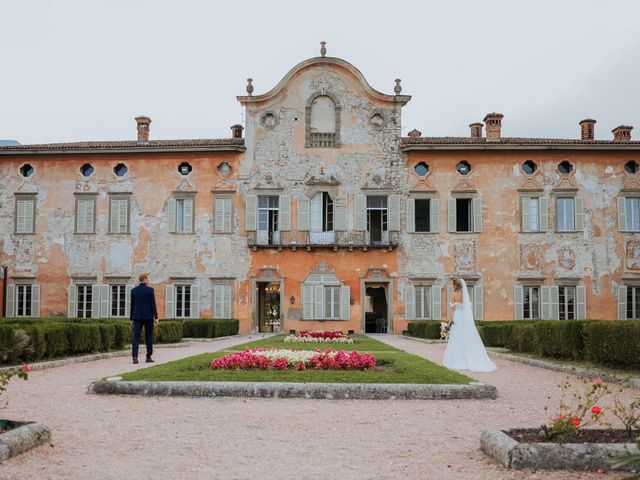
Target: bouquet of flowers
[(445, 328)]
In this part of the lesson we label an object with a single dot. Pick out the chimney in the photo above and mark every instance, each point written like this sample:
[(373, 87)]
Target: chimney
[(476, 130), (236, 131), (415, 133), (143, 128), (587, 129), (622, 133), (493, 121)]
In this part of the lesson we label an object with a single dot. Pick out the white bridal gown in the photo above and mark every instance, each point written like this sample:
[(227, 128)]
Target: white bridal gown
[(465, 350)]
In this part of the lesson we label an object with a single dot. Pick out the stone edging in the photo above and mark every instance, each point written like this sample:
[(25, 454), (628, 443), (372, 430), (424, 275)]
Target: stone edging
[(23, 438), (331, 391), (552, 456), (429, 341)]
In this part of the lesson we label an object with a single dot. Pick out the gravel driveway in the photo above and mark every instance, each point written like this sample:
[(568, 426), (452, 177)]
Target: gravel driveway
[(105, 437)]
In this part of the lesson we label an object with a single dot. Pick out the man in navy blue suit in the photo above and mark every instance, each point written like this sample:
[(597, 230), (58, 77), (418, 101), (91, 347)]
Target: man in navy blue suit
[(143, 314)]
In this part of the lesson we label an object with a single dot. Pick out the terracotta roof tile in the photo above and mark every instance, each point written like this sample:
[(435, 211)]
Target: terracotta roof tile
[(521, 141), (232, 143)]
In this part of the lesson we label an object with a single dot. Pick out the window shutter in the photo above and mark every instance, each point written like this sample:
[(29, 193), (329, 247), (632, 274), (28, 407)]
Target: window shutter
[(24, 215), (451, 215), (188, 215), (119, 221), (217, 301), (95, 301), (518, 299), (72, 300), (360, 223), (340, 214), (581, 311), (545, 300), (124, 216), (315, 212), (127, 300), (195, 301), (105, 298), (345, 303), (622, 214), (318, 302), (434, 211), (303, 214), (227, 301), (411, 215), (171, 214), (218, 214), (394, 213), (35, 300), (478, 302), (284, 222), (169, 302), (228, 215), (115, 213), (436, 302), (525, 215), (543, 206), (11, 298), (449, 302), (622, 302), (410, 302), (555, 303), (477, 214), (251, 211), (579, 207), (307, 302)]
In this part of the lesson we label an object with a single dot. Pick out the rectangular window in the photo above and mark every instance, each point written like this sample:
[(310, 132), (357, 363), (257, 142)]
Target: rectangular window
[(119, 214), (377, 219), (531, 304), (332, 302), (183, 301), (84, 301), (632, 212), (464, 215), (268, 220), (422, 302), (85, 213), (24, 298), (25, 214), (567, 303), (422, 212), (222, 300), (633, 303), (565, 214), (118, 300)]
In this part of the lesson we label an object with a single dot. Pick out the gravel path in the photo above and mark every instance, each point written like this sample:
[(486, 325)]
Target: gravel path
[(105, 437)]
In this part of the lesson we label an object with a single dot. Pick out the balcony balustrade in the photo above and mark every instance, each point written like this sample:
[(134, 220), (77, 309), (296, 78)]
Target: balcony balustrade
[(335, 240)]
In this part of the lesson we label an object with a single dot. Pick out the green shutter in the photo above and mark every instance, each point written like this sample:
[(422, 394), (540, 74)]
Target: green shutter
[(35, 300), (169, 302), (105, 298), (360, 223), (451, 215), (195, 301), (307, 302), (72, 300), (477, 214), (526, 214), (411, 215), (340, 214), (251, 211), (555, 303), (622, 302), (11, 299), (284, 222), (622, 214), (518, 302), (394, 213), (303, 214), (543, 206), (434, 210), (410, 302), (545, 300), (478, 302), (581, 294), (127, 300), (345, 303), (95, 301), (436, 302), (579, 211)]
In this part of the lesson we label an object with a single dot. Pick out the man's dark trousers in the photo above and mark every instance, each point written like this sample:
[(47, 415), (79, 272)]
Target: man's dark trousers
[(148, 336)]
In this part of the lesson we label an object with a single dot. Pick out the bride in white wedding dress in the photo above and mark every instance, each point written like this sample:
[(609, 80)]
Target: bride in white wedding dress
[(465, 350)]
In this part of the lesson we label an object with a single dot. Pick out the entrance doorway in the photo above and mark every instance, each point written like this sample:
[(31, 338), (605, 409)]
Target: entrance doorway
[(376, 309), (268, 306)]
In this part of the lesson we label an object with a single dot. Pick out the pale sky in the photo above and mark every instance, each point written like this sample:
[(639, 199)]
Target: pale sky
[(75, 70)]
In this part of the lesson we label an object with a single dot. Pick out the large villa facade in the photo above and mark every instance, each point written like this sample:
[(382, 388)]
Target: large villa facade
[(321, 215)]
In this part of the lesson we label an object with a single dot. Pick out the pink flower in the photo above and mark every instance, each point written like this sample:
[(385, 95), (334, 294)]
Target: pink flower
[(26, 368), (598, 381)]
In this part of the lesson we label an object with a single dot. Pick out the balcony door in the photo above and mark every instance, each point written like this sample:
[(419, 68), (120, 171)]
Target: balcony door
[(321, 209)]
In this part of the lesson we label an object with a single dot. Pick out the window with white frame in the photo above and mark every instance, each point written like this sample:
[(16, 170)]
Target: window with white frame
[(423, 215), (84, 301), (629, 214), (534, 214), (118, 300), (569, 214), (119, 213), (324, 297), (567, 302), (25, 214), (629, 302), (182, 300), (423, 301), (222, 299), (464, 214), (222, 213), (85, 213), (180, 214), (23, 299), (321, 216), (268, 219), (527, 302)]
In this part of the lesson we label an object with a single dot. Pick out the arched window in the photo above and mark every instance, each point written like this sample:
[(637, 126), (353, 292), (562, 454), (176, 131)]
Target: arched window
[(322, 121)]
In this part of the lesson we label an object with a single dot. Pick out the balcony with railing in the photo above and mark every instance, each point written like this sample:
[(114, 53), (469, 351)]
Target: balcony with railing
[(313, 240)]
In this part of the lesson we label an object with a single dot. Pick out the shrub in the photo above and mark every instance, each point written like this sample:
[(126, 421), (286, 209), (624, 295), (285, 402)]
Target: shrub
[(168, 331), (496, 334), (83, 337), (37, 341), (56, 341), (613, 344), (425, 329), (523, 339), (560, 339), (122, 334), (198, 328), (107, 336)]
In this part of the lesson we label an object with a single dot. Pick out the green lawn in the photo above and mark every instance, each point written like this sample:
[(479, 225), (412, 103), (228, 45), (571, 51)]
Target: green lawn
[(394, 366), (361, 343)]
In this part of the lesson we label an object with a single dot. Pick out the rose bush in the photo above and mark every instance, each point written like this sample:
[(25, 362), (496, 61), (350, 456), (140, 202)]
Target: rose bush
[(313, 336)]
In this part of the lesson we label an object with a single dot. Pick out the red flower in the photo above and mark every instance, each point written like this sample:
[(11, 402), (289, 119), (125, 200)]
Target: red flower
[(596, 410), (26, 368), (575, 421), (598, 381)]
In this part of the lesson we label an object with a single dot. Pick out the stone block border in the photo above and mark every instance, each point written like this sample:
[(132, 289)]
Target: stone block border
[(551, 456), (327, 391), (24, 436)]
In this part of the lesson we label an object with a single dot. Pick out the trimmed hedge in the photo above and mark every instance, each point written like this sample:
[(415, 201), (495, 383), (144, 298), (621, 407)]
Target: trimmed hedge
[(609, 343), (207, 328)]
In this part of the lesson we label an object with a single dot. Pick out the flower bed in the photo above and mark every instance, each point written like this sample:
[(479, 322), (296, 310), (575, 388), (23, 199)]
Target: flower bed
[(260, 359), (310, 336)]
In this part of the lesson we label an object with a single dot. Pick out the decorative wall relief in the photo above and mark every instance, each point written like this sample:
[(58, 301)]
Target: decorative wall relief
[(633, 254), (465, 255), (566, 258), (530, 256)]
